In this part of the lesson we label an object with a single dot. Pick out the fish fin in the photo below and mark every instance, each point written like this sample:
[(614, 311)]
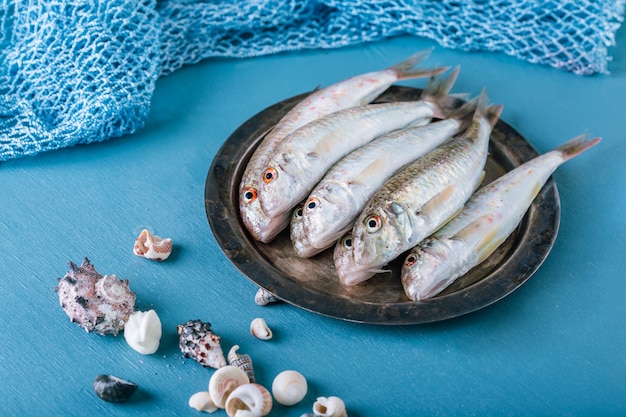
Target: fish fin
[(464, 114), (434, 204), (439, 86), (576, 146), (371, 171), (406, 69), (483, 229)]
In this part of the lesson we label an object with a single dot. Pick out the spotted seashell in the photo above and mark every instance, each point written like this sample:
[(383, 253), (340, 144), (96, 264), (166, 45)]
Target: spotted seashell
[(152, 247), (254, 398), (224, 381), (97, 303), (198, 342), (260, 329), (263, 297), (329, 407), (241, 361), (113, 389), (201, 401), (289, 387)]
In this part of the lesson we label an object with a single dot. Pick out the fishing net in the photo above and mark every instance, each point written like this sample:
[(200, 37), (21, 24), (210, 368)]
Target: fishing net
[(75, 72)]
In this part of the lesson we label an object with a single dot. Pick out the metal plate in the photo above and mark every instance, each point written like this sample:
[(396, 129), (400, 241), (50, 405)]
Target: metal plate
[(312, 284)]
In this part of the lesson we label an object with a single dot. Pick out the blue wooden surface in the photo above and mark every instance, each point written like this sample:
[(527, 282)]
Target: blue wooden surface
[(553, 347)]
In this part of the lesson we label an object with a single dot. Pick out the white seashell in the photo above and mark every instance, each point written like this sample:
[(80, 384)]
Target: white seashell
[(329, 407), (152, 247), (202, 401), (263, 297), (260, 330), (224, 381), (243, 362), (249, 397), (289, 387), (143, 331)]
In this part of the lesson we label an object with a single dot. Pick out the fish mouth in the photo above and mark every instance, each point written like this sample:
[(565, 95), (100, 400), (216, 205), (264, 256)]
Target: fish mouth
[(355, 277), (273, 227)]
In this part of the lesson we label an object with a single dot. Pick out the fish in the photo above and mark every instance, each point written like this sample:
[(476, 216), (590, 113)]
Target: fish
[(417, 200), (355, 91), (305, 155), (485, 222), (336, 201)]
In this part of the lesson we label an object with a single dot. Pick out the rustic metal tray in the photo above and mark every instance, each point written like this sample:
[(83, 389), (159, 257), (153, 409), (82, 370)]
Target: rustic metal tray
[(312, 284)]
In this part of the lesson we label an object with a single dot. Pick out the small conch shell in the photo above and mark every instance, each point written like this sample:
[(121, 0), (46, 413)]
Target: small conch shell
[(224, 381), (241, 361), (329, 407), (263, 297), (197, 341), (143, 331), (202, 401), (152, 247), (289, 387), (254, 398), (260, 329)]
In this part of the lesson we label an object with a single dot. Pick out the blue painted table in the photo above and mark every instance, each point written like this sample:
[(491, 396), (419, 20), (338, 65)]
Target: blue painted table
[(553, 347)]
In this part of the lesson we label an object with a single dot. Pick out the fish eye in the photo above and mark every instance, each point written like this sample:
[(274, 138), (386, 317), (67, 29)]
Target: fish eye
[(312, 203), (410, 260), (297, 213), (346, 242), (372, 223), (249, 195), (269, 175)]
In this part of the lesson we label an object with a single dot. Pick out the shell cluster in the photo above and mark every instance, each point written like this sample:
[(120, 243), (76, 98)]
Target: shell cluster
[(97, 303), (113, 389), (143, 331), (198, 342), (152, 247)]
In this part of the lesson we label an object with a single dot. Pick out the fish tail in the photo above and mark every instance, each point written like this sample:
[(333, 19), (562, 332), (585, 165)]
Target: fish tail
[(406, 69), (491, 112), (437, 92), (465, 113), (576, 146)]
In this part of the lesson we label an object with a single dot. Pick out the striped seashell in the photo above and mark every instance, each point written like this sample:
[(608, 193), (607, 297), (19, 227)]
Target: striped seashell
[(224, 381), (254, 398), (241, 361)]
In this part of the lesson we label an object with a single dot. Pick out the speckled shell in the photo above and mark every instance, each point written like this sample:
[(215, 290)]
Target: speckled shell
[(241, 361), (198, 342), (252, 397), (100, 304), (263, 297)]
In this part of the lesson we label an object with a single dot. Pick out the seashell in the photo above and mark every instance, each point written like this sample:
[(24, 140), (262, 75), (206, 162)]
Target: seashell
[(289, 387), (143, 331), (224, 381), (152, 247), (260, 330), (263, 297), (197, 341), (202, 401), (329, 407), (254, 398), (243, 362), (113, 389), (97, 303)]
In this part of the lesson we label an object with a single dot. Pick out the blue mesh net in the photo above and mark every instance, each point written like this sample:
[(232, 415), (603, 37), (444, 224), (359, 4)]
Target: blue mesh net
[(83, 71)]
